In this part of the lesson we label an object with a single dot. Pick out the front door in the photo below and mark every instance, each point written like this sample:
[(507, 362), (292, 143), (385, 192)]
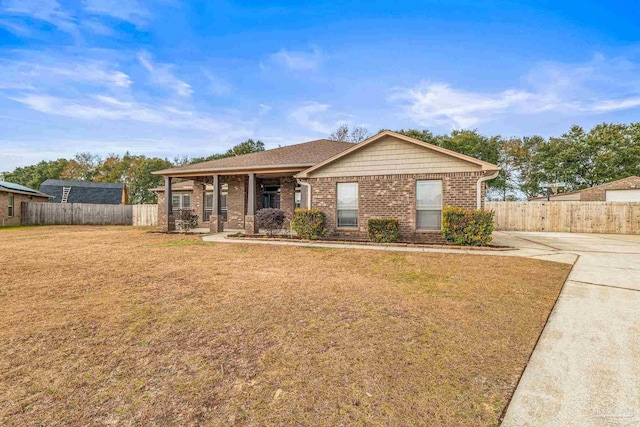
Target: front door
[(271, 197)]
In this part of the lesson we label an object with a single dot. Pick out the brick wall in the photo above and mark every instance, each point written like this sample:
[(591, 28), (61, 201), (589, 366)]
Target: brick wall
[(236, 200), (288, 195), (5, 219), (392, 196), (598, 194)]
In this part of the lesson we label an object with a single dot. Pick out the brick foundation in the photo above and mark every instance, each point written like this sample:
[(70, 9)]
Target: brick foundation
[(215, 224), (392, 196), (250, 225)]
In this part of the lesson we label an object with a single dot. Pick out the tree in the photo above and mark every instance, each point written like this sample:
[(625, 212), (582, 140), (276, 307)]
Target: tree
[(246, 147), (34, 175), (422, 135), (344, 134)]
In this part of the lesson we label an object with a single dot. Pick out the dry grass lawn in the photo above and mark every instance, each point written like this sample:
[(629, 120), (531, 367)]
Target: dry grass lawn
[(116, 326)]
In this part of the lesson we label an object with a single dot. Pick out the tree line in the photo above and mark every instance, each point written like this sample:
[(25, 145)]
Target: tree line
[(577, 159), (136, 171)]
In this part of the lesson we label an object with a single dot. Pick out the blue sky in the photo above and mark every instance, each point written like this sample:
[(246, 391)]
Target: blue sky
[(168, 78)]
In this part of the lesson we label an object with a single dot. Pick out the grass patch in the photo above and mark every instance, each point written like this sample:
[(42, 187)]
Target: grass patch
[(115, 329)]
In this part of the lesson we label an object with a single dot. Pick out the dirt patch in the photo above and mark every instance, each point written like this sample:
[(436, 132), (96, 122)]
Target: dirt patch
[(112, 325)]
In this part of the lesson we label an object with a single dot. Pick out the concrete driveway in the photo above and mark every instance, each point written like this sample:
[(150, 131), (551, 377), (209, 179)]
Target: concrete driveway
[(585, 369)]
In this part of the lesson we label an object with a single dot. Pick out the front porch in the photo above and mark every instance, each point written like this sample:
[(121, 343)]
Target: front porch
[(229, 202)]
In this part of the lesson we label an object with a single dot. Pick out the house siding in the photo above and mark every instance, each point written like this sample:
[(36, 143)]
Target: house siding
[(5, 219), (391, 155), (392, 196), (598, 194)]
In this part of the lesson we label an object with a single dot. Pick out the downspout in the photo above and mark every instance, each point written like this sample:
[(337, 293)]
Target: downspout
[(308, 186), (479, 189)]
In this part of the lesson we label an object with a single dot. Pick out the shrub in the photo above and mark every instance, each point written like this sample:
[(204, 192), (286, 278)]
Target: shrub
[(383, 230), (308, 223), (467, 227), (270, 219), (187, 219)]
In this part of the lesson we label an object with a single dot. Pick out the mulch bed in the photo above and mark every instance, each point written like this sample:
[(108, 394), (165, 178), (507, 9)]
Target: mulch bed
[(367, 243)]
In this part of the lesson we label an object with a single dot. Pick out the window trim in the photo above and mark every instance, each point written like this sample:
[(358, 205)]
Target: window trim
[(11, 210), (428, 230), (357, 210)]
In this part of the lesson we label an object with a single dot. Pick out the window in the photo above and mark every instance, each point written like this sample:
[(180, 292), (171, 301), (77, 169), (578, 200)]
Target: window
[(347, 204), (224, 190), (180, 202), (297, 196), (10, 204), (429, 205), (208, 204), (271, 197)]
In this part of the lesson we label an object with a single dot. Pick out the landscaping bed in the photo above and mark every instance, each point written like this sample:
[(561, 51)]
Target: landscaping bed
[(489, 247)]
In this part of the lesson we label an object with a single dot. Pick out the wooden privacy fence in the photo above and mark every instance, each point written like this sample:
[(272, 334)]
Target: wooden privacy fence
[(573, 217), (145, 215), (87, 214)]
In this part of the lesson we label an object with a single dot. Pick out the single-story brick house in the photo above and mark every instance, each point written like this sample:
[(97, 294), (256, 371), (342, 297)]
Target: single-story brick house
[(386, 176), (622, 190), (11, 198)]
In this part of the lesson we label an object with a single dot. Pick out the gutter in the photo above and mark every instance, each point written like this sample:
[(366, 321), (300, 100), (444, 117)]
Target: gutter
[(479, 187), (308, 186)]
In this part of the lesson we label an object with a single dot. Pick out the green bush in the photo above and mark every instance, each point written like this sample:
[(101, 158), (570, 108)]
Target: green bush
[(383, 230), (308, 223), (467, 227)]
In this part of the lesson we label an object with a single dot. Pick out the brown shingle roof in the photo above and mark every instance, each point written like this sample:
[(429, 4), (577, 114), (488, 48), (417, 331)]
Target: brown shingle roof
[(302, 155)]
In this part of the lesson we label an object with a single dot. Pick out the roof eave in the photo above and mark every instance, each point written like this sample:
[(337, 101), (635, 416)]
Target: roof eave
[(247, 169)]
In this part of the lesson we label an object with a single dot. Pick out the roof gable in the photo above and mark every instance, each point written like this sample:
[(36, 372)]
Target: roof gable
[(390, 152)]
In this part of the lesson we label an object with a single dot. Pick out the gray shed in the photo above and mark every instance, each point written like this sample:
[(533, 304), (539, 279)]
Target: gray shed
[(85, 191)]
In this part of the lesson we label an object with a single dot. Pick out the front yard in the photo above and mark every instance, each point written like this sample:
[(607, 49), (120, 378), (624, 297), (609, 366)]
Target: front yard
[(112, 325)]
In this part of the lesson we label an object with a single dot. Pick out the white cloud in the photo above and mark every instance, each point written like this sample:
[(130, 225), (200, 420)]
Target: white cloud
[(596, 87), (97, 27), (42, 10), (264, 109), (319, 118), (54, 71), (125, 10), (162, 75), (103, 107), (298, 60), (217, 85)]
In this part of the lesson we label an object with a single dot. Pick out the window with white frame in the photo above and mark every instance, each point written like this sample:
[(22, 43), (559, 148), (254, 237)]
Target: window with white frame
[(347, 205), (208, 203), (429, 205), (10, 205), (181, 202)]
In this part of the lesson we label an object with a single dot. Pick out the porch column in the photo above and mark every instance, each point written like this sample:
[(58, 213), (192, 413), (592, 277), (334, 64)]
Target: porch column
[(170, 221), (249, 219), (215, 221)]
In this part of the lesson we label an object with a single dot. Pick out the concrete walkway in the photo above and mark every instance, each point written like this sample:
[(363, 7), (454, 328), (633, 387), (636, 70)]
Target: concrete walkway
[(585, 369)]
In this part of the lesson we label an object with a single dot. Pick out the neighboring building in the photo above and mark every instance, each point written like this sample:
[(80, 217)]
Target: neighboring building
[(11, 198), (386, 176), (622, 190), (85, 192)]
